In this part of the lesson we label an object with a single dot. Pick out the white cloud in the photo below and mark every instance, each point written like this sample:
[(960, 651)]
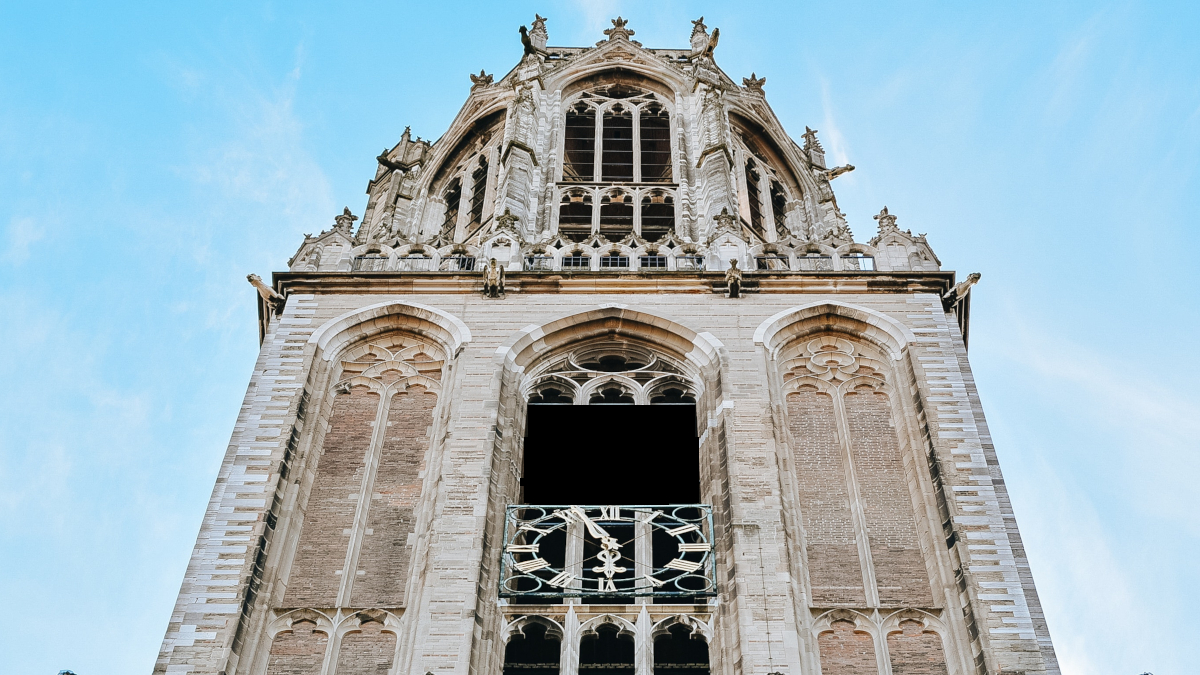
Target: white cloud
[(831, 135)]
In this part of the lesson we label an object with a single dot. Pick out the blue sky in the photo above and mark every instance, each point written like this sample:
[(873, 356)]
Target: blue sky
[(153, 155)]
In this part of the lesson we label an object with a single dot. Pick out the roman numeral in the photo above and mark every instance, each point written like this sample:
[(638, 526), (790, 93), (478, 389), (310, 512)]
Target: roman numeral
[(683, 528), (605, 586), (528, 566), (523, 548), (561, 579), (652, 516), (533, 529), (654, 582), (683, 565), (610, 512), (685, 548)]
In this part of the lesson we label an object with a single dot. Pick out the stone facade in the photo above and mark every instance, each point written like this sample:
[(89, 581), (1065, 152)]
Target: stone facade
[(658, 240)]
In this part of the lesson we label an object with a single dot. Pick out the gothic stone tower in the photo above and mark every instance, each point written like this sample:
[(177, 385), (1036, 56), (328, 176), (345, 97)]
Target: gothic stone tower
[(602, 384)]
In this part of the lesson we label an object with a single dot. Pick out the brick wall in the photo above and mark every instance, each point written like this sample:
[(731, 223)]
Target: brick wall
[(833, 566), (316, 572), (298, 651), (384, 558), (845, 651), (914, 652), (900, 572), (367, 651)]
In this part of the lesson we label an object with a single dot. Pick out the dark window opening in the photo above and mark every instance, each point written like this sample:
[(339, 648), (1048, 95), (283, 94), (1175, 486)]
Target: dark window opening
[(606, 653), (532, 653), (579, 146), (478, 192), (575, 216), (779, 208), (451, 196), (680, 652), (754, 196), (656, 144), (658, 215), (611, 454), (617, 147), (612, 363), (616, 216)]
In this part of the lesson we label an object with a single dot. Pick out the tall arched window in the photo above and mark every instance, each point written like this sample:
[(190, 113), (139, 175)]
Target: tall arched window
[(617, 134), (478, 192), (754, 196), (452, 196), (779, 209), (579, 144)]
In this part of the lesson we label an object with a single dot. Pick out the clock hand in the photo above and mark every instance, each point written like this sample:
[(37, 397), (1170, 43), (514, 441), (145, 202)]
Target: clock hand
[(594, 529)]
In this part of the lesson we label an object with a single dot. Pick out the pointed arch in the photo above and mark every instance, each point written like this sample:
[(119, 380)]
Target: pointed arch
[(790, 324)]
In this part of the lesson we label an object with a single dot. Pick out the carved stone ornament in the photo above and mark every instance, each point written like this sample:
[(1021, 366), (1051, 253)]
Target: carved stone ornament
[(537, 33), (493, 279), (733, 280), (480, 80), (345, 222), (618, 31), (272, 297), (507, 220), (753, 83), (887, 222)]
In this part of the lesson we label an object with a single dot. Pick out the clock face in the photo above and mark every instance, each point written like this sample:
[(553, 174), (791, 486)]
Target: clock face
[(572, 551)]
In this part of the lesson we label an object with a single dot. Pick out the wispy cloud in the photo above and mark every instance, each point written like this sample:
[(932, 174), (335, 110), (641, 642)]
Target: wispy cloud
[(833, 140)]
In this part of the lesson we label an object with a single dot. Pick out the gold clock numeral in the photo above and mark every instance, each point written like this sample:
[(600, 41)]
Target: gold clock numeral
[(682, 528), (528, 566), (561, 579), (687, 548), (683, 565), (523, 548)]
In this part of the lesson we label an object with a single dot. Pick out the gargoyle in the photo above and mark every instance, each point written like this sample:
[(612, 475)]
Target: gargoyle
[(712, 43), (830, 174), (392, 164), (274, 300), (528, 44), (961, 289)]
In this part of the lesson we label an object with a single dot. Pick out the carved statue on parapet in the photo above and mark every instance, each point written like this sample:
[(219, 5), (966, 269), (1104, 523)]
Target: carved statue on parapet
[(961, 289), (272, 297), (493, 279), (345, 222), (733, 280), (887, 222), (699, 39)]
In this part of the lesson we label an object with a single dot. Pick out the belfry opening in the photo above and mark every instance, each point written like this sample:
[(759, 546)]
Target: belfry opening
[(612, 427)]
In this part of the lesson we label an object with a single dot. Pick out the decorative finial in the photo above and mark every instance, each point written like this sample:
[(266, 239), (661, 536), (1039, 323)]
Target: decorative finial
[(887, 222), (618, 31), (810, 140), (537, 33), (753, 83), (480, 80), (345, 222)]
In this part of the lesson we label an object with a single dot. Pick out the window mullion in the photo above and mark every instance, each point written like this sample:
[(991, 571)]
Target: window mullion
[(637, 144), (598, 159)]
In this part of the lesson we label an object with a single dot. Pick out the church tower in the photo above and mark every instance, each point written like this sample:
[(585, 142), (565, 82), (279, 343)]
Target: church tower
[(601, 383)]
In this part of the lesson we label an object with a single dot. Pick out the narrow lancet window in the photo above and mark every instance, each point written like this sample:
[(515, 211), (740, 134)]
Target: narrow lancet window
[(579, 151), (478, 193), (618, 144), (754, 197), (451, 196), (779, 209), (655, 125)]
